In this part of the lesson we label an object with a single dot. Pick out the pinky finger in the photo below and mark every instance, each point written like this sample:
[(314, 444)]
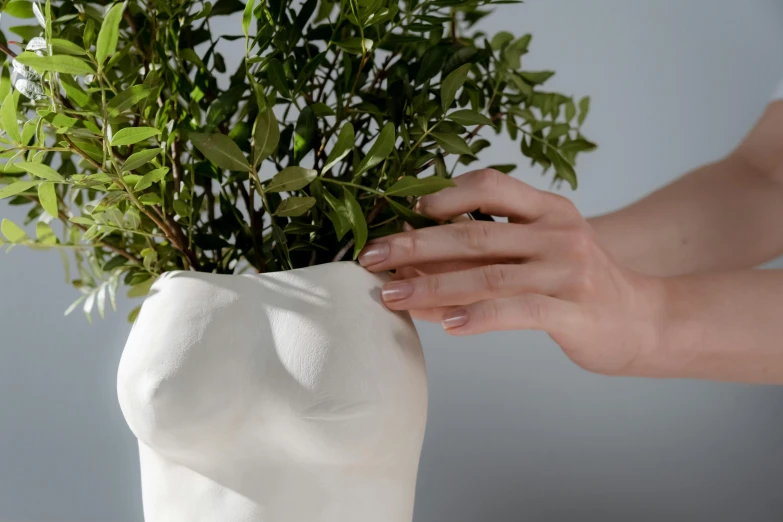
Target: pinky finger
[(523, 312)]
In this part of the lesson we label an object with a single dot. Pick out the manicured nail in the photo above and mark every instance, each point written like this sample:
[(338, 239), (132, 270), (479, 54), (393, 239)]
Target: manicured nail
[(374, 254), (396, 291), (455, 319)]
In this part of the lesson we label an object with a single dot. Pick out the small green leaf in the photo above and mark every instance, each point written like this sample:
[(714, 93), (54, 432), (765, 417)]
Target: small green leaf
[(505, 168), (133, 218), (139, 159), (19, 9), (354, 45), (431, 63), (304, 133), (150, 199), (91, 233), (134, 314), (59, 63), (413, 186), (469, 117), (341, 149), (337, 214), (276, 76), (321, 110), (12, 232), (8, 117), (563, 169), (380, 150), (452, 84), (536, 77), (48, 198), (409, 216), (128, 98), (81, 220), (156, 176), (45, 234), (296, 228), (133, 135), (40, 170), (5, 81), (291, 178), (17, 188), (150, 259), (75, 92), (181, 208), (60, 46), (221, 150), (452, 144), (247, 17), (295, 206), (501, 39), (570, 110), (584, 108), (266, 136), (106, 44), (578, 145), (358, 222), (190, 55), (141, 289)]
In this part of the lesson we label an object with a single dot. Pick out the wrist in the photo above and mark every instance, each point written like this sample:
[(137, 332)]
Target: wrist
[(664, 354)]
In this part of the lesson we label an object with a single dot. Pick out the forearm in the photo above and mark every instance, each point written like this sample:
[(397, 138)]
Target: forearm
[(726, 215), (720, 326)]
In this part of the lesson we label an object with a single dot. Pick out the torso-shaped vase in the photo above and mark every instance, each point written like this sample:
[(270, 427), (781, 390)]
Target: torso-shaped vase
[(284, 397)]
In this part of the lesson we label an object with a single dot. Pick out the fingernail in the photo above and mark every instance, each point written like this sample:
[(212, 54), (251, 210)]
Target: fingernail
[(374, 254), (407, 227), (396, 291), (455, 319)]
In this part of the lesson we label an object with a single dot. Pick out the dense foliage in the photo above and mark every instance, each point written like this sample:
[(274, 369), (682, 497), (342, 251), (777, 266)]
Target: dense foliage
[(124, 128)]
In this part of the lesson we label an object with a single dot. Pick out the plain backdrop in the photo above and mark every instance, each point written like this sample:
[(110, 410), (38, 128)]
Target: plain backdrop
[(516, 432)]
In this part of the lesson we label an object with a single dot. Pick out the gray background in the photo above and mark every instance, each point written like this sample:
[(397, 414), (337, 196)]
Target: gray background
[(516, 432)]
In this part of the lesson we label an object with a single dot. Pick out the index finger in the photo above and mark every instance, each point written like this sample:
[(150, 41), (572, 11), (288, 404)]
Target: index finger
[(494, 193)]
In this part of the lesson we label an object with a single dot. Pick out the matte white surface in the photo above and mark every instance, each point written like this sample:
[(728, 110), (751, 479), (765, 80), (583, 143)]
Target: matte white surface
[(285, 397), (515, 432)]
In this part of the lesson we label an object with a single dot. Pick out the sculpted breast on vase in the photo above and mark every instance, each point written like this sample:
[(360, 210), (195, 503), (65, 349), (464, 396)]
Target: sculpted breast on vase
[(284, 397)]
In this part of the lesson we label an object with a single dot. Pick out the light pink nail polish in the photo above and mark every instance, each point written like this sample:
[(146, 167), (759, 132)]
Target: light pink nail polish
[(455, 319), (396, 291), (374, 254)]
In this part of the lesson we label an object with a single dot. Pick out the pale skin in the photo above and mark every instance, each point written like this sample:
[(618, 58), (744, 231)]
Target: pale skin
[(665, 287)]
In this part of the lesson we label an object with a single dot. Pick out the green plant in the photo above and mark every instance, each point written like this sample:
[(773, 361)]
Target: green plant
[(337, 118)]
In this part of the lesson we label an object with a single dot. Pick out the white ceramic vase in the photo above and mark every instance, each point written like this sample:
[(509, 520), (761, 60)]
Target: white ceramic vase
[(284, 397)]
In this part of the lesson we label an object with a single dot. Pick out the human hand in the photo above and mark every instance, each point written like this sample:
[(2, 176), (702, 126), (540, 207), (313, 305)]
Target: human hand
[(543, 270)]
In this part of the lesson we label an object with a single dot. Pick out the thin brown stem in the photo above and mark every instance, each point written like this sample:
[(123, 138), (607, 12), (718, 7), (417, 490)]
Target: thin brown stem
[(83, 154), (344, 250), (169, 227), (8, 52)]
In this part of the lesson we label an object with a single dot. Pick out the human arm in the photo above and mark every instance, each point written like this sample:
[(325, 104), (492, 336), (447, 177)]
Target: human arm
[(547, 270), (722, 216)]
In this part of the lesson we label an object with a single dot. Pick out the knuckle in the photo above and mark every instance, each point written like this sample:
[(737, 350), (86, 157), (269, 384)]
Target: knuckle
[(433, 285), (490, 313), (487, 180), (474, 234), (535, 309), (583, 281), (564, 205), (407, 245), (494, 277), (580, 244)]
